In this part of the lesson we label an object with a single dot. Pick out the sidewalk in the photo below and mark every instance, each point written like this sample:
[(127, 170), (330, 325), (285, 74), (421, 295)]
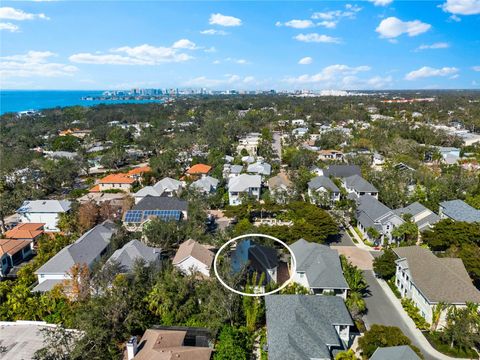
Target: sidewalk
[(360, 244), (423, 342)]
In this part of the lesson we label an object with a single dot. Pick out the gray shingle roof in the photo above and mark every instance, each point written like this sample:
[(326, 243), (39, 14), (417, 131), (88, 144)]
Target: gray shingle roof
[(371, 207), (320, 263), (206, 184), (301, 326), (322, 181), (161, 203), (236, 169), (243, 182), (342, 171), (359, 184), (439, 279), (415, 209), (167, 184), (45, 206), (83, 251), (260, 168), (403, 352), (458, 210), (133, 251)]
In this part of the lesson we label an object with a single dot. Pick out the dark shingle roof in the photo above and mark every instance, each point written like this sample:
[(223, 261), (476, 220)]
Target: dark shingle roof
[(359, 184), (301, 326), (460, 211), (342, 171), (161, 203), (403, 352), (439, 279), (322, 181), (266, 256), (320, 263)]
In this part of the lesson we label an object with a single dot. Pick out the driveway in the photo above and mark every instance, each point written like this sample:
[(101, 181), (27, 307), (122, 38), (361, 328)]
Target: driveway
[(277, 144), (358, 257), (385, 309)]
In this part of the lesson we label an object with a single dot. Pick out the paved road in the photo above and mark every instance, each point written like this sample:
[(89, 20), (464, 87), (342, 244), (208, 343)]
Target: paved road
[(382, 311), (277, 144), (343, 240)]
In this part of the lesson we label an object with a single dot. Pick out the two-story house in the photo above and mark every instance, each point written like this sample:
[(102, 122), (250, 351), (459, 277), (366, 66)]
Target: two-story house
[(243, 185), (322, 186), (358, 186), (44, 211)]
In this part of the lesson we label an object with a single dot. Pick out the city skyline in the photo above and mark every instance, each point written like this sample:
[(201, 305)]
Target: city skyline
[(373, 45)]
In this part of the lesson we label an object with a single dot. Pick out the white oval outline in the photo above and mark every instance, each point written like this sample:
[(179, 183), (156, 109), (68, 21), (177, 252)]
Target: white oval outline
[(294, 265)]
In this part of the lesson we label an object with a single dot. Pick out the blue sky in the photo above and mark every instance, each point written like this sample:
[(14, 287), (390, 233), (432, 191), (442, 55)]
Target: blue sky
[(379, 44)]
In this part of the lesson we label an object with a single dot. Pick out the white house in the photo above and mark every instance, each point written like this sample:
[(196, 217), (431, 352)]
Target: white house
[(166, 187), (44, 211), (86, 250), (250, 143), (243, 184), (359, 186), (193, 257), (319, 269), (323, 186), (429, 280)]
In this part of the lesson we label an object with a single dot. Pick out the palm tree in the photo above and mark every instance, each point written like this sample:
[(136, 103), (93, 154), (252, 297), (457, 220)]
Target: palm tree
[(437, 314)]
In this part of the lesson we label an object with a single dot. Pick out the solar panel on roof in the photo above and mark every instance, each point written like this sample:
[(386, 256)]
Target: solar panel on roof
[(137, 216)]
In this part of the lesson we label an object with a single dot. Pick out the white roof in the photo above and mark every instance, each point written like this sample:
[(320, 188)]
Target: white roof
[(206, 183), (244, 181), (147, 190), (45, 206), (167, 184)]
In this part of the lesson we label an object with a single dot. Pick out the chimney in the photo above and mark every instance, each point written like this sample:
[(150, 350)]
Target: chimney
[(131, 348)]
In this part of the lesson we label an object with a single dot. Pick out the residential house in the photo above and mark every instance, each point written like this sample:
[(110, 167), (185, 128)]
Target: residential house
[(115, 182), (429, 280), (27, 231), (100, 198), (264, 260), (371, 213), (321, 186), (206, 185), (423, 217), (165, 344), (306, 326), (298, 122), (199, 170), (250, 143), (86, 250), (280, 186), (458, 210), (330, 155), (342, 171), (377, 159), (403, 352), (232, 171), (44, 211), (13, 252), (192, 257), (164, 208), (260, 168), (358, 186), (299, 132), (166, 187), (138, 172), (244, 184), (132, 252), (318, 268)]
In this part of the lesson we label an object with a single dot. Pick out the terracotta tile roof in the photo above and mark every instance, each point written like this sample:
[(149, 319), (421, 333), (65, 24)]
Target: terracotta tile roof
[(11, 246), (25, 231), (168, 345), (94, 189), (199, 169), (116, 179), (194, 249), (139, 170)]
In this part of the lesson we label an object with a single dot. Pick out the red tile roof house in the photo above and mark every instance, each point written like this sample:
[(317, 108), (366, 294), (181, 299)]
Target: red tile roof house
[(13, 252), (198, 171), (116, 182), (26, 231), (137, 173)]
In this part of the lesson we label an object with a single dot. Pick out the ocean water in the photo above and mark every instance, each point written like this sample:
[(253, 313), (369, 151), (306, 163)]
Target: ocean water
[(20, 100)]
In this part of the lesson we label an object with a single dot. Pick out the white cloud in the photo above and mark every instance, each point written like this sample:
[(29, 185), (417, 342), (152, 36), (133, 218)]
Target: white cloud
[(381, 2), (438, 45), (327, 24), (224, 20), (378, 82), (213, 32), (139, 55), (305, 61), (462, 7), (33, 64), (10, 13), (476, 68), (393, 27), (237, 61), (184, 44), (228, 80), (330, 19), (328, 76), (317, 38), (9, 27), (297, 24), (427, 71)]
